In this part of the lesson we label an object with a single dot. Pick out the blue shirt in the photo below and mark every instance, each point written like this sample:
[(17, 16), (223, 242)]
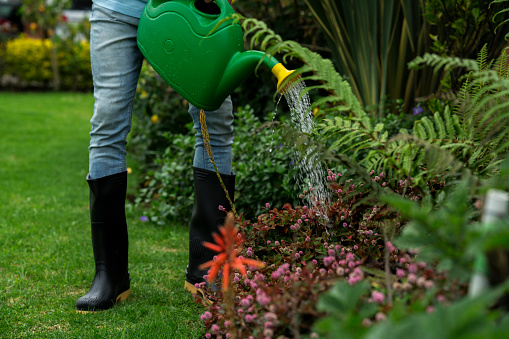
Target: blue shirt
[(132, 8)]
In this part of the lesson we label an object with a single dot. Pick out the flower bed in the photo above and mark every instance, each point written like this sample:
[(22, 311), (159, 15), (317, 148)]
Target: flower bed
[(313, 269)]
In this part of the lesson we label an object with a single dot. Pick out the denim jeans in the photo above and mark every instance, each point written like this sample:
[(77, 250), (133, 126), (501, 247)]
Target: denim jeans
[(116, 64)]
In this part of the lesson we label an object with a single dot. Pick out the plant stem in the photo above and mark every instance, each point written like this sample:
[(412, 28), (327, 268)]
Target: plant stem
[(387, 268)]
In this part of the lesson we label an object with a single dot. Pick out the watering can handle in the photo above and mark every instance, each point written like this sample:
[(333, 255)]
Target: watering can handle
[(223, 5)]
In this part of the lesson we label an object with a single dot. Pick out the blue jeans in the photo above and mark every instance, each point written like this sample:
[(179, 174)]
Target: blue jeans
[(116, 64)]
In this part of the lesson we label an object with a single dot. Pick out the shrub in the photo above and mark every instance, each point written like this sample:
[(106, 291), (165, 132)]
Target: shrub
[(263, 164), (263, 167), (168, 190), (28, 61)]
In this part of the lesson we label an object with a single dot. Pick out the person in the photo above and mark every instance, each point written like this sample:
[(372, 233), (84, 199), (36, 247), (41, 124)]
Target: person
[(116, 63)]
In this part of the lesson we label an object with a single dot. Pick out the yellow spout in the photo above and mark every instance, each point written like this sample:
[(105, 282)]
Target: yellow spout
[(281, 74)]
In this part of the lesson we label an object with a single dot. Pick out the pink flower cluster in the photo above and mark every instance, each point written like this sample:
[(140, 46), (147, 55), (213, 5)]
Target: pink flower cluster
[(332, 176)]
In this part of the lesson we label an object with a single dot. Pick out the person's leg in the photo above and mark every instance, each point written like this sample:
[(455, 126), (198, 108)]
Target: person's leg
[(208, 192), (220, 129), (116, 63)]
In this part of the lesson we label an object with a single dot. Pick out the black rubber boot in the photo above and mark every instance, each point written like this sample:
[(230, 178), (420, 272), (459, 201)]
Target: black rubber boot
[(206, 219), (109, 242)]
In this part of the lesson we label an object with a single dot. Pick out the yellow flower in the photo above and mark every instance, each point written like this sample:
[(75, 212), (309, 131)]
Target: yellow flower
[(33, 26), (143, 94), (315, 111), (129, 170), (155, 118)]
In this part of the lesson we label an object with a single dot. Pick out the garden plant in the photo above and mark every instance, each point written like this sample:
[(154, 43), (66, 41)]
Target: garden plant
[(403, 229)]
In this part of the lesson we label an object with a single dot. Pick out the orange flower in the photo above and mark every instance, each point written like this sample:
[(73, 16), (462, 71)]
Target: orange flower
[(228, 246)]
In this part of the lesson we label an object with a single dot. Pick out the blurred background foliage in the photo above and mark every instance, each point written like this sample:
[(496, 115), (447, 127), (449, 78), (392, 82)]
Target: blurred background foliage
[(44, 51)]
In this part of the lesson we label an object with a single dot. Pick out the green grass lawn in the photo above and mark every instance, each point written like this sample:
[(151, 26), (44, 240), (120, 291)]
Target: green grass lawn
[(46, 259)]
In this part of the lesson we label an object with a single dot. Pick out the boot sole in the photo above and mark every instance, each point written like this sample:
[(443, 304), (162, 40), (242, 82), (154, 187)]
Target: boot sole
[(121, 297), (197, 291)]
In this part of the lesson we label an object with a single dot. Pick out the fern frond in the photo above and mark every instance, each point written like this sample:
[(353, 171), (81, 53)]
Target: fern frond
[(482, 58), (502, 64), (430, 129), (439, 62), (449, 123), (319, 68), (500, 13), (439, 122)]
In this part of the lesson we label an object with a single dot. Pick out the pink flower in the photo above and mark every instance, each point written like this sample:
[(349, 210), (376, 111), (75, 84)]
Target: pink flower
[(378, 297), (380, 316), (250, 317), (412, 268), (206, 316), (215, 328), (428, 284), (355, 276), (390, 246), (366, 322), (245, 302), (267, 205), (262, 298), (328, 260), (400, 273), (270, 316)]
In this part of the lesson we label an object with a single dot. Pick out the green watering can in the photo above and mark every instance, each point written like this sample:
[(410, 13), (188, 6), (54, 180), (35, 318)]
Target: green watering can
[(198, 54)]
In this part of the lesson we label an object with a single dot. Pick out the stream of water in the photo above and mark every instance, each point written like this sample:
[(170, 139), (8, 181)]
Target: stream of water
[(312, 173)]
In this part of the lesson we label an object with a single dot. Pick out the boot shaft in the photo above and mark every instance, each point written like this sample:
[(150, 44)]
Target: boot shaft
[(206, 217), (108, 222)]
